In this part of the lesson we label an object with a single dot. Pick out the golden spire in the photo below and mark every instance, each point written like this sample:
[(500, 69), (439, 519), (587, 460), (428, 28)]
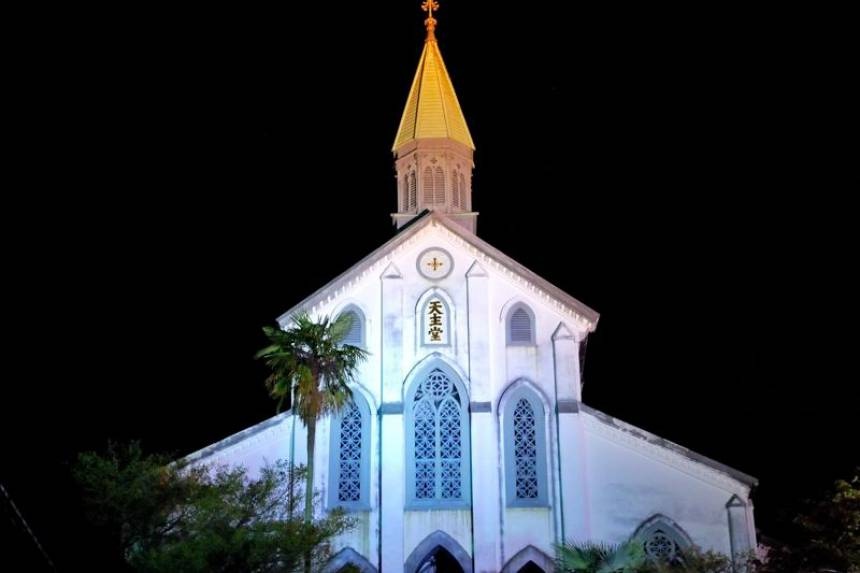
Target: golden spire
[(432, 110), (430, 23)]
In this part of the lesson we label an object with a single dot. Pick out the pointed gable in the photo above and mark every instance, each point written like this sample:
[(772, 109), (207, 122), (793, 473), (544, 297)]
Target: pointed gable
[(587, 316)]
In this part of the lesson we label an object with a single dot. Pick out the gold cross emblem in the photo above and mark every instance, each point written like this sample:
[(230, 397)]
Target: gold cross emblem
[(430, 5), (435, 264), (430, 23)]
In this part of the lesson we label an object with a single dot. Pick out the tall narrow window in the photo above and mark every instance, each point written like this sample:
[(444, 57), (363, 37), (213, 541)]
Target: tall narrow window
[(520, 328), (439, 186), (428, 186), (455, 189), (355, 335), (525, 449), (349, 458), (738, 528), (413, 192), (350, 455), (437, 441), (404, 192), (463, 204)]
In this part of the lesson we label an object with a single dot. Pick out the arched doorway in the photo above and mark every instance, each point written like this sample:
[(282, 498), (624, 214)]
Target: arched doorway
[(530, 559), (438, 553), (348, 560), (440, 561)]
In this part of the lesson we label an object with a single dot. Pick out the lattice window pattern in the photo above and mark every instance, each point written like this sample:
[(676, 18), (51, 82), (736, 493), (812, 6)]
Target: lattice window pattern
[(661, 546), (349, 479), (438, 439), (525, 450)]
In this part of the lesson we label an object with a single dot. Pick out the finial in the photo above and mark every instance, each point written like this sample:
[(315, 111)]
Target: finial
[(430, 23)]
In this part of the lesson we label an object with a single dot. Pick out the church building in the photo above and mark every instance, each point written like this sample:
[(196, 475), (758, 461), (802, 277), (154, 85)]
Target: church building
[(467, 446)]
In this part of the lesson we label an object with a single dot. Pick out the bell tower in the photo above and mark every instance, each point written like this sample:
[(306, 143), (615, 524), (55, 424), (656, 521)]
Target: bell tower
[(433, 149)]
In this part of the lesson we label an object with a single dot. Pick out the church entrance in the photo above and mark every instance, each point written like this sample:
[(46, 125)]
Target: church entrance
[(530, 567), (439, 561)]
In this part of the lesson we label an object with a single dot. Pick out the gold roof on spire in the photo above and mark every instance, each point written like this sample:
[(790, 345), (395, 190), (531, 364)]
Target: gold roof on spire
[(432, 109)]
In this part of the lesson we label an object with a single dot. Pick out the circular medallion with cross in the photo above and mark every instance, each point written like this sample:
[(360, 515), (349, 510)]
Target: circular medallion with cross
[(435, 263)]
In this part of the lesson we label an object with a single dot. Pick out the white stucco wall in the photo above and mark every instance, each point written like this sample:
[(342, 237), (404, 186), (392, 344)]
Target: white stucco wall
[(253, 448), (602, 483), (636, 482)]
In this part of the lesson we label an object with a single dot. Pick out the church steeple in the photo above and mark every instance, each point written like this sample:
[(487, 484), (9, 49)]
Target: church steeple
[(433, 149)]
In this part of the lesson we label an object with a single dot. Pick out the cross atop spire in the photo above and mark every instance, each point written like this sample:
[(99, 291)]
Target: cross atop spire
[(430, 23), (433, 148)]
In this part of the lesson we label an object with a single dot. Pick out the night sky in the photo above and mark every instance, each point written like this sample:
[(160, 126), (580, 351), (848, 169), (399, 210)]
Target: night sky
[(178, 177)]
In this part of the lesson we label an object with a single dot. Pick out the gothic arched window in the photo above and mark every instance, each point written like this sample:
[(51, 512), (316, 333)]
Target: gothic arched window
[(439, 187), (350, 456), (412, 202), (455, 189), (428, 186), (662, 539), (660, 546), (355, 336), (437, 441), (463, 193), (521, 325), (525, 449)]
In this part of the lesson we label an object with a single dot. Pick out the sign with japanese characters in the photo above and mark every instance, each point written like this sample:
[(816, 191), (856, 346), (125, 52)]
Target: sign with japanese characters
[(435, 322)]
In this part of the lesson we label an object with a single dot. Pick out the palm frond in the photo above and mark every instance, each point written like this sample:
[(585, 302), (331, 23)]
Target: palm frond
[(627, 557), (578, 557), (589, 557), (310, 366)]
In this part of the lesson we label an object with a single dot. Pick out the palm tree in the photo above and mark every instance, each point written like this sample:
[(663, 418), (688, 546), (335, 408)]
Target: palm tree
[(628, 557), (311, 367)]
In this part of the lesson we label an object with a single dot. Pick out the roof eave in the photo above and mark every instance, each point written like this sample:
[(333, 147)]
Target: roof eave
[(656, 440), (588, 315)]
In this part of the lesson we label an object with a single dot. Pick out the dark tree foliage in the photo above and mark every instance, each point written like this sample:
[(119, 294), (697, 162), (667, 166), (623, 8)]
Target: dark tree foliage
[(825, 535), (167, 517)]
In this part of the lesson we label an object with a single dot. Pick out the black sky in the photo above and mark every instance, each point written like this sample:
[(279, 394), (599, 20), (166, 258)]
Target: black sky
[(176, 177)]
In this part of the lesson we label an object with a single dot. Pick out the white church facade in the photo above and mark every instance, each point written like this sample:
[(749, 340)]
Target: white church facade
[(467, 446)]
